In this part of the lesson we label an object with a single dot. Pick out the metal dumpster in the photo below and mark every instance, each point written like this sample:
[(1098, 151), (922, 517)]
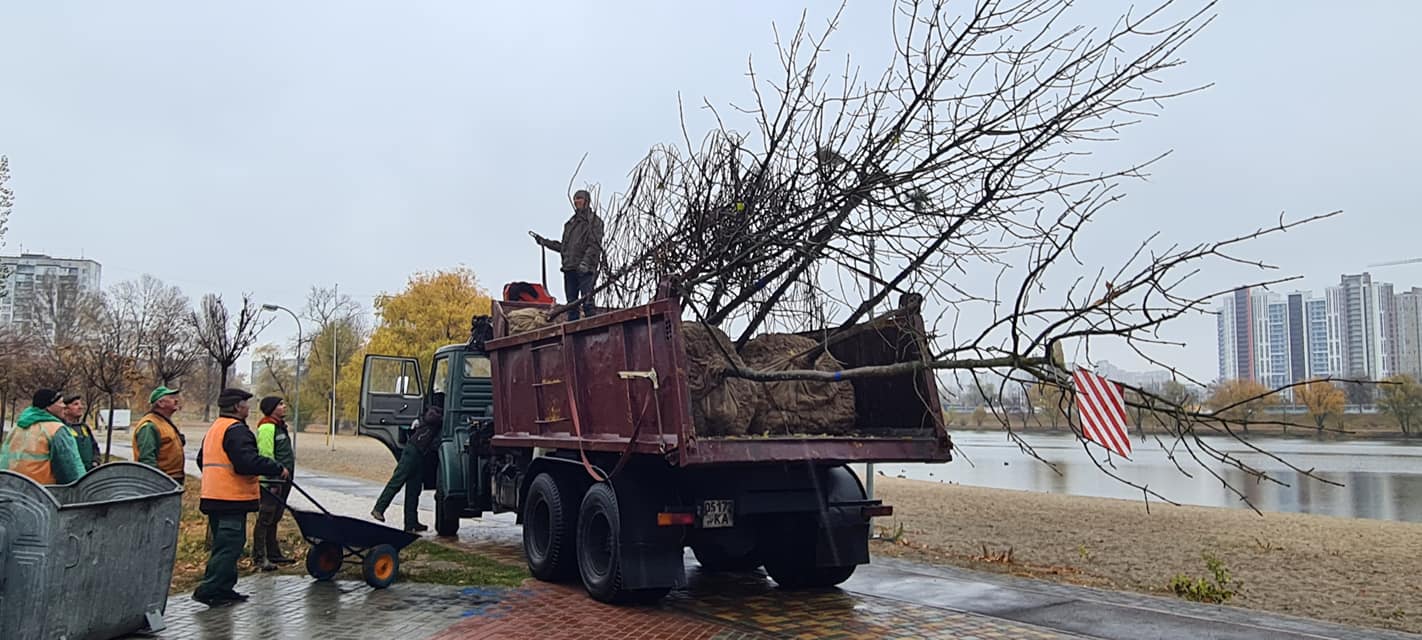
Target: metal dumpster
[(88, 560)]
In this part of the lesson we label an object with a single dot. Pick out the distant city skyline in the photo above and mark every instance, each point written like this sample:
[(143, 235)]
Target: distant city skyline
[(1358, 329)]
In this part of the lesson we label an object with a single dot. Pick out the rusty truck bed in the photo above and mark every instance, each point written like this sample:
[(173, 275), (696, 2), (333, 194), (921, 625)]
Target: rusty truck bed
[(617, 382)]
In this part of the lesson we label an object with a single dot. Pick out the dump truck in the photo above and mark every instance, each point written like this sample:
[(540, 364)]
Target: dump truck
[(584, 430)]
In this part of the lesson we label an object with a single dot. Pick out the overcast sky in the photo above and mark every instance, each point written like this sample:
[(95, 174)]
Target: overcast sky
[(268, 146)]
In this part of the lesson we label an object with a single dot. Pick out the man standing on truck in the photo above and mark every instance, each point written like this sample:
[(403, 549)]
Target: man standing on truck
[(581, 249), (274, 442), (156, 440), (409, 471), (83, 436), (230, 490), (40, 447)]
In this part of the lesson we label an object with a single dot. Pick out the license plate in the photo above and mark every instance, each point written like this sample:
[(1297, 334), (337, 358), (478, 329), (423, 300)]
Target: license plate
[(718, 514)]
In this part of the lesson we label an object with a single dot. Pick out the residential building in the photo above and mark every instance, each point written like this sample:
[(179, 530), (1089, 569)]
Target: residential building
[(1236, 328), (1319, 345), (1408, 306), (42, 287), (1364, 319)]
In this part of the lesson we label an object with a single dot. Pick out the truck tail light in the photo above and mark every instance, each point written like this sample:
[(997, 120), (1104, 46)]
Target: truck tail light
[(877, 512), (666, 519)]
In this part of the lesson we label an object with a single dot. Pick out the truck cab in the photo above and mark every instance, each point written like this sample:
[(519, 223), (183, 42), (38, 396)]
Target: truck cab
[(394, 394)]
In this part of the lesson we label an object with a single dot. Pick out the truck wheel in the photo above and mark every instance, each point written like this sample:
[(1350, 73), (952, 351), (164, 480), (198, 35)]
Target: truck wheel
[(548, 534), (792, 575), (599, 558), (715, 559), (446, 525)]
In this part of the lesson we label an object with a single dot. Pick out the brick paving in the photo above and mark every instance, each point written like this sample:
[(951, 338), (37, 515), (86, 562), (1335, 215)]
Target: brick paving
[(297, 608)]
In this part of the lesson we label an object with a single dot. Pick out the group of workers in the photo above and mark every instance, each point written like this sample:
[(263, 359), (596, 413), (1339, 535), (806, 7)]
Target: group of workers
[(242, 471)]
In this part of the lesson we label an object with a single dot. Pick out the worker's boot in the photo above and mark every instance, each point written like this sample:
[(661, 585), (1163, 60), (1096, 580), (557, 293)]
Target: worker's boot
[(274, 553), (259, 544)]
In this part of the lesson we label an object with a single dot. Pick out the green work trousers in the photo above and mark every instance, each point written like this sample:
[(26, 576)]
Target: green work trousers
[(408, 473), (264, 533), (229, 534)]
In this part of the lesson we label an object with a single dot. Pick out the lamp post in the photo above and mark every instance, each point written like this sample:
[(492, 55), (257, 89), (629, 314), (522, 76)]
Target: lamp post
[(297, 390)]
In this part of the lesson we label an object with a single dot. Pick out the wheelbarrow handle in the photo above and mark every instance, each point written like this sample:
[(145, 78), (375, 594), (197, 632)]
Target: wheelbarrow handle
[(303, 492)]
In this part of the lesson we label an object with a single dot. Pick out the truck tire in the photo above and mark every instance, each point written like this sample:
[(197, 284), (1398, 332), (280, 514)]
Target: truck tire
[(715, 559), (599, 558), (446, 525), (548, 534)]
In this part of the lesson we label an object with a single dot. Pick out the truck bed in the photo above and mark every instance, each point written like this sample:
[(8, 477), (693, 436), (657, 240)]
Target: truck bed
[(590, 385)]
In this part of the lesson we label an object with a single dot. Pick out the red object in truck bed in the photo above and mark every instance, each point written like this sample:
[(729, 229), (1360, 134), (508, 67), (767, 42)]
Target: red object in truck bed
[(608, 361)]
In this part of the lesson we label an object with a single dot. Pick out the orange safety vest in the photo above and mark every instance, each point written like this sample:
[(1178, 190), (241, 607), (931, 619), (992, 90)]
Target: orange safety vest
[(29, 451), (219, 480), (170, 445)]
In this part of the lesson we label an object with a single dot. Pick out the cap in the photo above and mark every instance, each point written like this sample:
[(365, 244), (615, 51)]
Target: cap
[(231, 396), (159, 393), (45, 397)]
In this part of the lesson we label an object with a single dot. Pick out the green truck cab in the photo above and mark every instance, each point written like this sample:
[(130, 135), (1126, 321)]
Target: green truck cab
[(394, 395)]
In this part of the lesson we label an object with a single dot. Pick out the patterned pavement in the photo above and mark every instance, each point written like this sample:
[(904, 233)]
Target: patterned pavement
[(744, 607)]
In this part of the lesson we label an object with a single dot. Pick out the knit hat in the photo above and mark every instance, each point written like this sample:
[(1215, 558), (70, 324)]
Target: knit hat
[(70, 398), (231, 397), (269, 404), (45, 397)]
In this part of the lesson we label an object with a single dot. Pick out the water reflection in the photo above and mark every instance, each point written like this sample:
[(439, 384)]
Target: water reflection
[(1381, 480)]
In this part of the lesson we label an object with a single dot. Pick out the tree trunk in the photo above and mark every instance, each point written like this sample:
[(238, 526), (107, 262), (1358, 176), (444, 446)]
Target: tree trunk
[(223, 377), (109, 437), (4, 404)]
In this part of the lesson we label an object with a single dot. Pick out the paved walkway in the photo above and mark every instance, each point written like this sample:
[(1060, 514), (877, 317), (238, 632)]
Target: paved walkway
[(888, 599)]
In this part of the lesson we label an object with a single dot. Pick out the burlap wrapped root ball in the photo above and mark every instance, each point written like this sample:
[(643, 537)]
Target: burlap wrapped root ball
[(720, 406), (798, 406), (525, 320)]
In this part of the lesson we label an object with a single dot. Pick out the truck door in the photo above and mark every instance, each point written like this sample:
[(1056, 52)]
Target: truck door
[(391, 398)]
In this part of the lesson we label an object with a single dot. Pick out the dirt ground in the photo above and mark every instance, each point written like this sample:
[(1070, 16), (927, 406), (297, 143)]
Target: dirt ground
[(1351, 571)]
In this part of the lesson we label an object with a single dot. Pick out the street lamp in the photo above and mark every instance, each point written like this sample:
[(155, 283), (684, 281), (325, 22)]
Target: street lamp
[(297, 390)]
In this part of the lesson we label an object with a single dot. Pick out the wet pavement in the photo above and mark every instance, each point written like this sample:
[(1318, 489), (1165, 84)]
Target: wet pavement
[(887, 599)]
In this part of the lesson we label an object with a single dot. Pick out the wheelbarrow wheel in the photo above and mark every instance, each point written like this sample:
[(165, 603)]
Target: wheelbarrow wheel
[(381, 566), (323, 561)]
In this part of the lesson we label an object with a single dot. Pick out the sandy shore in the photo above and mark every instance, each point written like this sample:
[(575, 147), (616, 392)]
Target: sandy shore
[(1353, 571)]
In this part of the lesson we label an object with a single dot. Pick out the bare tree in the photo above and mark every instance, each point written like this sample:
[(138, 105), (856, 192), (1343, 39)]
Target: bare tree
[(107, 354), (60, 319), (953, 182), (17, 352), (223, 338), (167, 343), (277, 373), (7, 204)]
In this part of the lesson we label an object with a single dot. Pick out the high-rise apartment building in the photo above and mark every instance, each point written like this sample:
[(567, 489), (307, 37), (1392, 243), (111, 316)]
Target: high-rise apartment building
[(1358, 329), (1408, 306), (36, 282)]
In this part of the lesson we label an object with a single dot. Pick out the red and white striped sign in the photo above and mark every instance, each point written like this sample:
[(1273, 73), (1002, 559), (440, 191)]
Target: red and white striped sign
[(1103, 411)]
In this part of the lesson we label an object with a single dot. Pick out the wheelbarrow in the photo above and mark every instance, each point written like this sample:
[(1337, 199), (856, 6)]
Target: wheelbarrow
[(339, 540)]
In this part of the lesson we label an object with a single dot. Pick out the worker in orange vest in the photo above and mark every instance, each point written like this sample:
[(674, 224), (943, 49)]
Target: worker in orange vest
[(40, 446), (157, 442), (231, 470)]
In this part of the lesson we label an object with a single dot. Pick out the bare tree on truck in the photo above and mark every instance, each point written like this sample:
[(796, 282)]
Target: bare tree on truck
[(957, 179)]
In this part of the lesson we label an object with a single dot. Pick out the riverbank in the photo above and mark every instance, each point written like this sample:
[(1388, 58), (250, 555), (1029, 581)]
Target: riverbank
[(1352, 427), (1352, 571)]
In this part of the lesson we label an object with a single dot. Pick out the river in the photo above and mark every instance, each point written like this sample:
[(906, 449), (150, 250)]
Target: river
[(1381, 480)]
